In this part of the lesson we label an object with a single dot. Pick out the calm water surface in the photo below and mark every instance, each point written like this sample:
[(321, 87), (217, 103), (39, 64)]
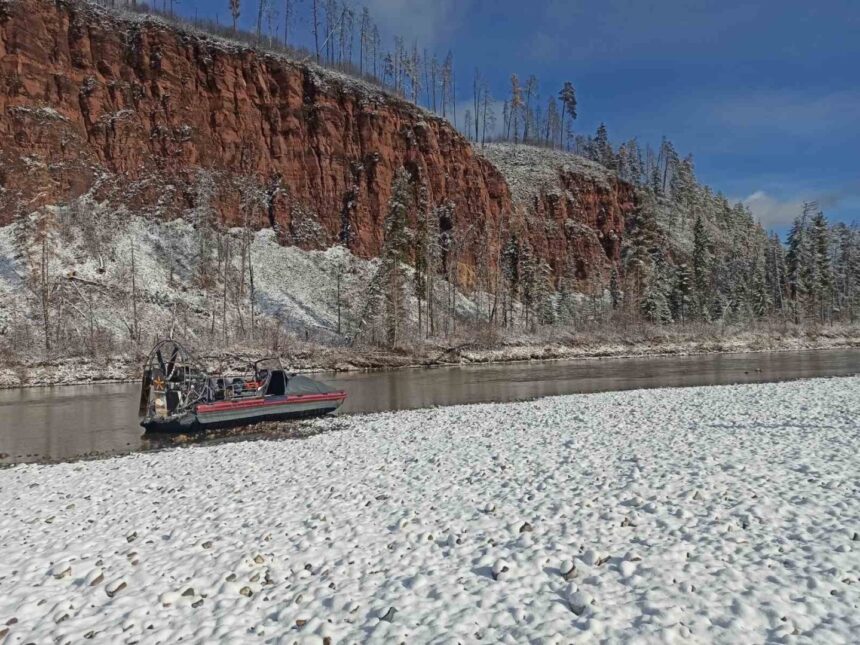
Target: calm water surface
[(62, 423)]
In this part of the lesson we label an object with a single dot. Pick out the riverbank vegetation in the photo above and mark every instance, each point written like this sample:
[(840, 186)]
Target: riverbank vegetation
[(86, 279)]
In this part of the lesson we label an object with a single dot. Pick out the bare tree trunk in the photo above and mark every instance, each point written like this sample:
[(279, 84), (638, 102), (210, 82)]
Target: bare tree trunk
[(251, 292), (316, 28), (135, 323), (288, 13), (392, 306), (420, 320), (45, 294), (224, 295), (339, 274), (260, 10), (430, 288), (476, 88)]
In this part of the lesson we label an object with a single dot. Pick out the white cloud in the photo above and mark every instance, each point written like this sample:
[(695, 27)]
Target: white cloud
[(840, 203), (422, 20), (771, 211)]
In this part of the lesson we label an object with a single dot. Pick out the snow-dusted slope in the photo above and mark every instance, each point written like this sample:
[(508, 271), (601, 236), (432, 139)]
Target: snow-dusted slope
[(713, 514), (90, 273), (530, 170), (294, 285)]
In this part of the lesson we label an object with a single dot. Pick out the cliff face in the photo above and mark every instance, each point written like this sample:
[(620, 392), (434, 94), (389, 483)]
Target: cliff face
[(574, 211), (163, 120)]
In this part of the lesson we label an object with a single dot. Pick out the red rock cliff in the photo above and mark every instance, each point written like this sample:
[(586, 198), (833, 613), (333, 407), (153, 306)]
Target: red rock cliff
[(162, 119), (575, 211)]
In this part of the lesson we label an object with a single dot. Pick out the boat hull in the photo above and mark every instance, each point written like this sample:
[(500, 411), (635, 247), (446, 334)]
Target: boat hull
[(231, 414)]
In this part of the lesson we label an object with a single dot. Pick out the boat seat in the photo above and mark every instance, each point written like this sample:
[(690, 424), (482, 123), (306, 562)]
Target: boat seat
[(238, 386)]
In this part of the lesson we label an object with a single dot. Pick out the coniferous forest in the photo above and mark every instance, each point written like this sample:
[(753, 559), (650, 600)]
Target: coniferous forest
[(690, 258)]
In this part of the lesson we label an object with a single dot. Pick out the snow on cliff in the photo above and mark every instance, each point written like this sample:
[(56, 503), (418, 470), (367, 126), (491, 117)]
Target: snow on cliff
[(530, 170)]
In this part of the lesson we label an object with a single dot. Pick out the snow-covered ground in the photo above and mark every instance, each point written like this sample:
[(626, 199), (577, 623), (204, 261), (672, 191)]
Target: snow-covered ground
[(727, 514), (530, 170), (301, 289), (294, 285)]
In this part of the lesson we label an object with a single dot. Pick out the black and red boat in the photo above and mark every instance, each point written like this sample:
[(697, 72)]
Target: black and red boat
[(177, 395)]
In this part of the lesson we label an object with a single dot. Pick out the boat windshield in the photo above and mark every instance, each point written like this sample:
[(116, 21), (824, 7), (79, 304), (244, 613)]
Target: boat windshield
[(264, 367)]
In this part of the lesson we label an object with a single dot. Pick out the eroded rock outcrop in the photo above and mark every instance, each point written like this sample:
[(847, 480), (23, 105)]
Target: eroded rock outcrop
[(163, 120), (574, 211)]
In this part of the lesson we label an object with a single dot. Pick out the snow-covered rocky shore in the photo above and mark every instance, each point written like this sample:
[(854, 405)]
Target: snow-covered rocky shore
[(727, 514)]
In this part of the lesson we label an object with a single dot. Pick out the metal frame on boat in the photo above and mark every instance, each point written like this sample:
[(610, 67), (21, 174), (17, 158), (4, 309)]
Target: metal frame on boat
[(178, 395)]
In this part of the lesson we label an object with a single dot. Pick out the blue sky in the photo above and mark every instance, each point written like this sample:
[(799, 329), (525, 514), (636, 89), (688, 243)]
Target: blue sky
[(764, 93)]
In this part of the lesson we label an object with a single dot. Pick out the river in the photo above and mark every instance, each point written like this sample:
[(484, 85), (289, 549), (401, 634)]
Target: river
[(66, 423)]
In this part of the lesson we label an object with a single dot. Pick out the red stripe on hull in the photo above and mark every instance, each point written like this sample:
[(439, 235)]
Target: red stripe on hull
[(224, 406)]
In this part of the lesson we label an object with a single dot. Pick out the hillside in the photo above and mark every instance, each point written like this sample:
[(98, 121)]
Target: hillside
[(156, 179), (576, 210), (106, 120)]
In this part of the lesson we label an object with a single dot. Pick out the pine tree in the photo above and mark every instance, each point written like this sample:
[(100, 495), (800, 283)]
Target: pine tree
[(420, 245), (365, 33), (629, 162), (615, 294), (655, 301), (822, 272), (669, 158), (289, 11), (387, 69), (447, 88), (567, 96), (331, 22), (846, 254), (203, 219), (35, 243), (635, 166), (488, 116), (528, 116), (316, 27), (515, 105), (656, 183), (798, 264), (235, 12), (511, 274), (852, 260), (603, 153), (567, 300), (682, 293), (760, 299), (385, 290), (683, 183), (262, 7), (535, 289), (775, 272), (477, 86), (553, 125), (702, 262), (545, 313)]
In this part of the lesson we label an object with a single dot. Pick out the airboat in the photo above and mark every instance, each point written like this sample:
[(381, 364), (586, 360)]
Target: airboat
[(179, 395)]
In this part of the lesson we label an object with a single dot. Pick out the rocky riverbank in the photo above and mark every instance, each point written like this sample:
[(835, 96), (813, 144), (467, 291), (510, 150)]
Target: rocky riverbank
[(307, 357), (711, 514)]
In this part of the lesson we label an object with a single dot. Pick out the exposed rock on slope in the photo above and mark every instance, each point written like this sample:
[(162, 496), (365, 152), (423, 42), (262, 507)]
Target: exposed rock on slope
[(164, 120), (83, 93), (576, 209)]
